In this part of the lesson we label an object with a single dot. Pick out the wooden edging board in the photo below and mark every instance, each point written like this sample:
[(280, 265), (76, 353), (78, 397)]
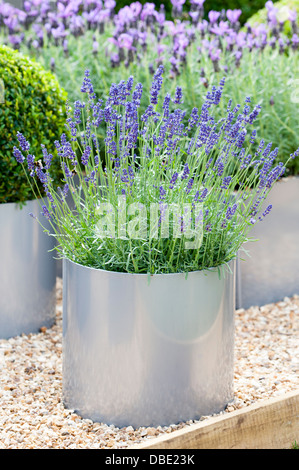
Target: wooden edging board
[(268, 424)]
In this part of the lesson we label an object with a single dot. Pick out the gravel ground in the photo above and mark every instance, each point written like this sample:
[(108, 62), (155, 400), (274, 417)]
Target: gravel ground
[(33, 417)]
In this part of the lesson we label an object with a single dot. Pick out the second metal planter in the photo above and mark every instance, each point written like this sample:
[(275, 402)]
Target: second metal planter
[(271, 272), (27, 272), (147, 352)]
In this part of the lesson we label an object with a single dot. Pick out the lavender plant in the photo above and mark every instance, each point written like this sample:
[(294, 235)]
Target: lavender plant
[(214, 185)]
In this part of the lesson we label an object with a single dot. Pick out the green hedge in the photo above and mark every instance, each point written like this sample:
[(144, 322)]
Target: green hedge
[(32, 103)]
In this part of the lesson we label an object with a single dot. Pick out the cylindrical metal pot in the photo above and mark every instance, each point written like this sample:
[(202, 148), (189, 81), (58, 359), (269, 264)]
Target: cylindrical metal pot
[(146, 351), (27, 272), (271, 272)]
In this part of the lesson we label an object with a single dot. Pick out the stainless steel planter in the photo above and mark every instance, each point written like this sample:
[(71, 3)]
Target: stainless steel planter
[(147, 353), (27, 272), (272, 270)]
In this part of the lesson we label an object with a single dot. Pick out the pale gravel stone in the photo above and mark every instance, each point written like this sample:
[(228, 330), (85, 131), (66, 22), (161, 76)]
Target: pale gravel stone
[(32, 415)]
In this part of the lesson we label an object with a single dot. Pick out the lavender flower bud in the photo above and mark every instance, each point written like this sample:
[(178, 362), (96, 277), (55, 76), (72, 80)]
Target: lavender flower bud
[(157, 84), (46, 212), (23, 142), (185, 172), (18, 155), (178, 95), (85, 155), (173, 180)]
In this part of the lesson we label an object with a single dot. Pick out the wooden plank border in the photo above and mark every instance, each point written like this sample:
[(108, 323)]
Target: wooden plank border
[(268, 424)]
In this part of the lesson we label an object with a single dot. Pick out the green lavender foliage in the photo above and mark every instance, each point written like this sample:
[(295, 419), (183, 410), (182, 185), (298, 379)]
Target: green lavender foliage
[(33, 102), (140, 168)]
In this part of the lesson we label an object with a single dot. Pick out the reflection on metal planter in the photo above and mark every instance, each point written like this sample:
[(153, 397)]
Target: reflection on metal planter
[(147, 351), (27, 272), (272, 270)]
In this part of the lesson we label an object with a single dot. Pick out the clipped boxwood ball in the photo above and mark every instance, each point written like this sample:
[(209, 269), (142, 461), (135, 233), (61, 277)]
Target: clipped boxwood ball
[(32, 103)]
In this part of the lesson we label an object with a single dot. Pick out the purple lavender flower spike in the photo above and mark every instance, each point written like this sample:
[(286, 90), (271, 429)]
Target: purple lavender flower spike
[(195, 15), (178, 95), (177, 7), (197, 3), (30, 163), (52, 64), (173, 180), (189, 185), (87, 86), (230, 212), (185, 172), (292, 15), (266, 212), (47, 157), (225, 182), (137, 94), (124, 177), (25, 146), (68, 173), (213, 16), (43, 177), (18, 155), (233, 15), (115, 60), (157, 84), (295, 42), (221, 29), (125, 41), (203, 195), (85, 155), (110, 4), (46, 213), (162, 193)]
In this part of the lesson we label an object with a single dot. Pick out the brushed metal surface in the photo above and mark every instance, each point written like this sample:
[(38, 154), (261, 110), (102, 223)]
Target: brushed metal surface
[(27, 272), (146, 353), (272, 270)]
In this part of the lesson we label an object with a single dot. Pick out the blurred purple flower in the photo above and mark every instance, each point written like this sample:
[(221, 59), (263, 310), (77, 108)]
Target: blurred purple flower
[(95, 47), (160, 17), (214, 54), (292, 15), (241, 39), (233, 15), (77, 25), (198, 3), (213, 16), (15, 40), (110, 4), (18, 155), (124, 41), (148, 11), (12, 23), (269, 5), (6, 9), (114, 60), (272, 19), (295, 41), (59, 32), (221, 29), (178, 3), (178, 95), (194, 16), (136, 8)]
